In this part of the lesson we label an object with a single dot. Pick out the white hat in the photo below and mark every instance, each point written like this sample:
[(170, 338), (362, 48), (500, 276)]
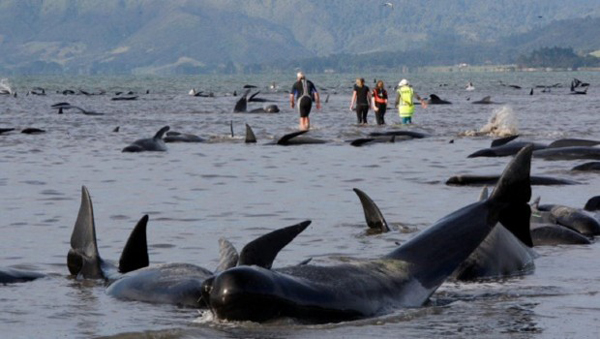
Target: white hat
[(403, 82)]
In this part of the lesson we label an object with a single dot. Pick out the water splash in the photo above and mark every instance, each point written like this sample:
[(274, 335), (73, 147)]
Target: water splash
[(5, 87), (204, 317), (502, 123)]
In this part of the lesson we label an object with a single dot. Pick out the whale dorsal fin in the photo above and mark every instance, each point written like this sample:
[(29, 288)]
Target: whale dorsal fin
[(228, 255), (250, 137), (161, 132), (284, 139), (514, 190), (484, 194), (536, 203), (83, 258), (487, 99), (503, 141), (263, 250), (373, 216), (135, 252)]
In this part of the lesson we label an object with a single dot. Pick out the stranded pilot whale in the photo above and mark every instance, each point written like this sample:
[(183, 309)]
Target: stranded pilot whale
[(173, 283), (12, 275), (501, 254), (182, 283), (155, 143), (356, 289)]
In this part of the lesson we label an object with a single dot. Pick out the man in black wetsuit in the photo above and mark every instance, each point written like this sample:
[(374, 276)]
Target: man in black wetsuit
[(304, 92)]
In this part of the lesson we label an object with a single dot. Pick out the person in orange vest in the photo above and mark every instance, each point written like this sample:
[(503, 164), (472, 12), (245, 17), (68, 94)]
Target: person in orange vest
[(380, 101)]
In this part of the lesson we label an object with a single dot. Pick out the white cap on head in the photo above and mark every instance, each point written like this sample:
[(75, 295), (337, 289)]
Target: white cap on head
[(403, 82), (300, 75)]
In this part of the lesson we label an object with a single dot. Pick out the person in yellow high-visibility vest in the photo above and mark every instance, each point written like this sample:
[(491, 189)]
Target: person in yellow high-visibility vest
[(404, 101)]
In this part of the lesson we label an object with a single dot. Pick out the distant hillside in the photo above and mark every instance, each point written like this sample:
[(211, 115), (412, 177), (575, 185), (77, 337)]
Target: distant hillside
[(579, 35), (582, 34), (191, 36)]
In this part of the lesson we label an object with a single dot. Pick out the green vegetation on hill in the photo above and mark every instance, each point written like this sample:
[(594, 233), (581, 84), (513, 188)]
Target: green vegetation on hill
[(557, 57)]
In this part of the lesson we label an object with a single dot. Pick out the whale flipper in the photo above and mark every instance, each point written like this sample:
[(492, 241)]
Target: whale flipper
[(135, 253), (250, 137), (263, 250), (228, 255), (83, 258), (373, 216)]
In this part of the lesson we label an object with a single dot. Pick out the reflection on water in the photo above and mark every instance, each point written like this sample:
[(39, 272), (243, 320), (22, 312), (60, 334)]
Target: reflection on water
[(197, 193)]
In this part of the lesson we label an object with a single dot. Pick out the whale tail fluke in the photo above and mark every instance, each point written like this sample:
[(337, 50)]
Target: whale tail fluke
[(135, 252), (373, 215), (83, 258), (263, 250)]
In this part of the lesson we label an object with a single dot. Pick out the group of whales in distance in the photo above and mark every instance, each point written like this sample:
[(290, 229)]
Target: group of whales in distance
[(241, 106), (562, 149), (157, 142)]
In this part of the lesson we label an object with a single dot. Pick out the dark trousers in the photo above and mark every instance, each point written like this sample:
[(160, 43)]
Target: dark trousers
[(361, 113), (380, 113)]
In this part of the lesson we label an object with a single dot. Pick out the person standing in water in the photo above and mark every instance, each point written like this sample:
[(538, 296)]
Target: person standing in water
[(362, 97), (380, 101), (304, 92), (404, 101)]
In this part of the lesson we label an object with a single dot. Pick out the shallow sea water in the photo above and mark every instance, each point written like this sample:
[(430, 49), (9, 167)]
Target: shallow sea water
[(197, 193)]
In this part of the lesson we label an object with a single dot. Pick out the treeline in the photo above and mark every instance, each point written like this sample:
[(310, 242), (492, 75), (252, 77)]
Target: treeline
[(437, 53), (556, 57)]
